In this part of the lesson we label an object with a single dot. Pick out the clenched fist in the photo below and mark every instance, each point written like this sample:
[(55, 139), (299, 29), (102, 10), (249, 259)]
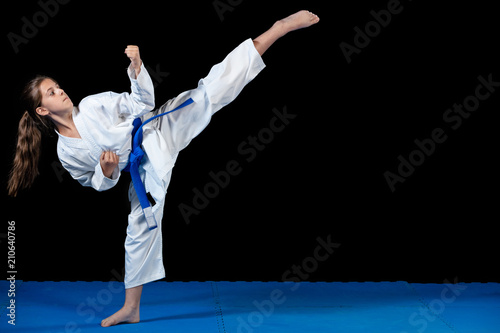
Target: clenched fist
[(109, 161), (132, 52)]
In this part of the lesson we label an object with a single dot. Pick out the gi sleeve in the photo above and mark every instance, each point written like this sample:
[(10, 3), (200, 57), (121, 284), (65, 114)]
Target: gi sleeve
[(141, 99), (86, 173)]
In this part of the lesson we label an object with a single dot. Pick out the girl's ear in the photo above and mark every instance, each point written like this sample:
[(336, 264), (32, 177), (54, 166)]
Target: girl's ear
[(42, 111)]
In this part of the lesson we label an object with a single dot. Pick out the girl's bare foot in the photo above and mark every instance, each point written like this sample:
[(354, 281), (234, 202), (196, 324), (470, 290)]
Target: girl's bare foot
[(299, 20), (124, 315)]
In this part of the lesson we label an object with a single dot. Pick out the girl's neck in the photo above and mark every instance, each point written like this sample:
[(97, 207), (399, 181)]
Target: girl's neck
[(66, 126)]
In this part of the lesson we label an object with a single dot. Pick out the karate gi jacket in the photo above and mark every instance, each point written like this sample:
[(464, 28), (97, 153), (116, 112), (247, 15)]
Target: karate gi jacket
[(104, 122)]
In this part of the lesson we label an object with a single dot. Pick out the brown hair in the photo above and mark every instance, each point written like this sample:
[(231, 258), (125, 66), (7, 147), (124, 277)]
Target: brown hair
[(29, 138)]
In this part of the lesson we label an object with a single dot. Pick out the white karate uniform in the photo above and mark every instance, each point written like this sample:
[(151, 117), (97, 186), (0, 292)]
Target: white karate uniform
[(104, 122)]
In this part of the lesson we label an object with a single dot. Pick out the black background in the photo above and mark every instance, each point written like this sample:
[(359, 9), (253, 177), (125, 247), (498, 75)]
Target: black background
[(322, 176)]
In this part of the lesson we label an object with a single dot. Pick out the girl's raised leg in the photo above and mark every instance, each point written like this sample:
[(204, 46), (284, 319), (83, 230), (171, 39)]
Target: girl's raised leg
[(299, 20)]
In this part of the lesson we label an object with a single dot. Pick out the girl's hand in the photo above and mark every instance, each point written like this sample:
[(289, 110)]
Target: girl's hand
[(132, 52), (109, 161)]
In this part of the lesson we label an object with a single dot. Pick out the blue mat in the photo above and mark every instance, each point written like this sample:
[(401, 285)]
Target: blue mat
[(248, 307)]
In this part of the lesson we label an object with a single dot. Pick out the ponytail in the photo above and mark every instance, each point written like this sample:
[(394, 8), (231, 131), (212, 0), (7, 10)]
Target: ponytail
[(25, 166), (29, 139)]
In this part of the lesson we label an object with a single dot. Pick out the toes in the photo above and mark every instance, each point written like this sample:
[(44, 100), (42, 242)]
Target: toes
[(312, 17), (106, 322)]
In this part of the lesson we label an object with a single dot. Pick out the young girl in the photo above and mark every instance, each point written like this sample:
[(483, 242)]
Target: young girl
[(94, 142)]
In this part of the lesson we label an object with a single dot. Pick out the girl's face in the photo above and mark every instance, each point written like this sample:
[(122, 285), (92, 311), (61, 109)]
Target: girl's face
[(54, 99)]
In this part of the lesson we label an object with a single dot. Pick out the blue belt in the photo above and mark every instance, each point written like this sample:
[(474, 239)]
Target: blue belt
[(135, 159)]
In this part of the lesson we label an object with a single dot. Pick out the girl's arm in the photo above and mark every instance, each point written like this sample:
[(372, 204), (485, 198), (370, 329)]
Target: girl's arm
[(101, 176), (141, 100)]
